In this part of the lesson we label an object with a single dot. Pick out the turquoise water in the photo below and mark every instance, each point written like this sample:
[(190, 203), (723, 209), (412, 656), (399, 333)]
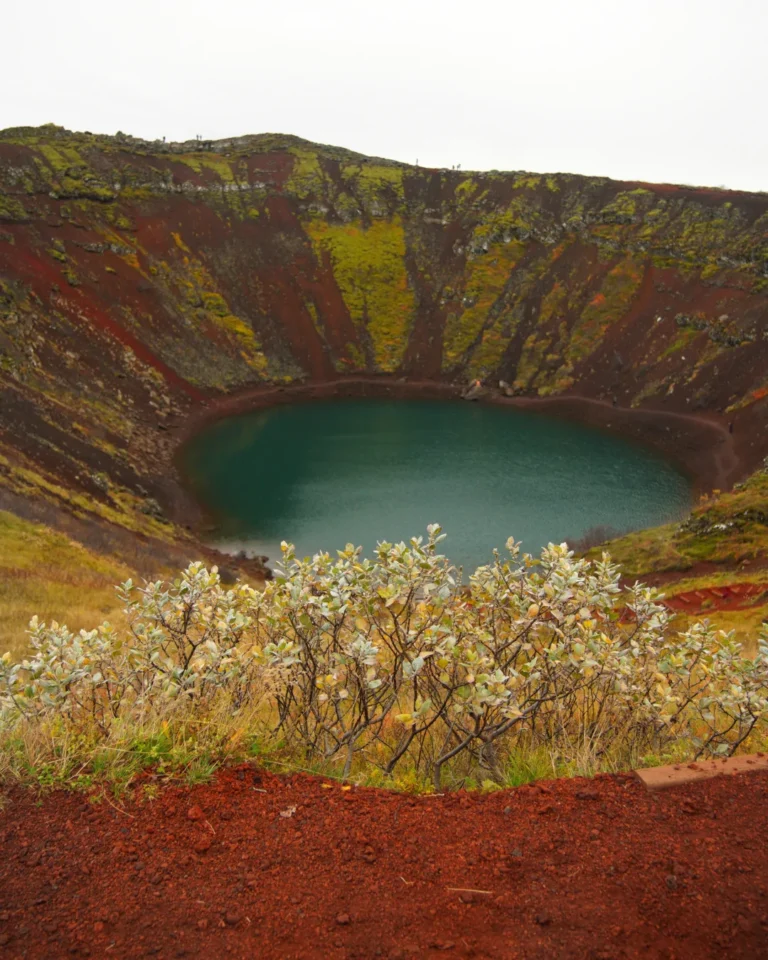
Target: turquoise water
[(326, 473)]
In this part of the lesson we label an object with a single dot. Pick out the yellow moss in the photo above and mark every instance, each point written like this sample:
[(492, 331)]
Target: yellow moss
[(553, 304), (553, 378), (466, 189), (530, 359), (374, 180), (625, 204), (369, 269), (180, 243), (12, 209), (356, 355), (312, 311), (216, 164), (486, 278), (60, 159), (306, 176), (518, 217), (126, 511)]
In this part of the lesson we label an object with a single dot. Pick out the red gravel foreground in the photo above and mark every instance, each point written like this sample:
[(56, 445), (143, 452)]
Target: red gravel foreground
[(260, 866)]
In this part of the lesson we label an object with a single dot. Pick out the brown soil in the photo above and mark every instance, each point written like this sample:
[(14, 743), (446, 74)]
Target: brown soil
[(256, 865)]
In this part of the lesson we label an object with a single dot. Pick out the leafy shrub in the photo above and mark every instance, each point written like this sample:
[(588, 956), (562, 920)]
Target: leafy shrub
[(393, 660)]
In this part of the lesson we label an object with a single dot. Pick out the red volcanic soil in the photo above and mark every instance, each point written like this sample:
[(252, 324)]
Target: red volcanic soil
[(255, 865), (733, 596)]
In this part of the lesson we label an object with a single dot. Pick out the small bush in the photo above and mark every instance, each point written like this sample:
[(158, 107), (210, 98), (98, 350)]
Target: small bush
[(387, 663), (593, 537)]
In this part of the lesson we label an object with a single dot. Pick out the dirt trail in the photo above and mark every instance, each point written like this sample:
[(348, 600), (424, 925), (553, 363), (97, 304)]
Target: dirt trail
[(255, 865)]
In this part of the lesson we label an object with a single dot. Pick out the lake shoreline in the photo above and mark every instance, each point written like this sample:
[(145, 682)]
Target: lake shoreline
[(700, 446), (547, 478)]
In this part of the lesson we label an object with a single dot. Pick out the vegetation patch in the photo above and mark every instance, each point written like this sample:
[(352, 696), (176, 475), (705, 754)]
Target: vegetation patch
[(727, 528), (386, 664), (607, 307), (486, 277), (369, 269), (47, 574)]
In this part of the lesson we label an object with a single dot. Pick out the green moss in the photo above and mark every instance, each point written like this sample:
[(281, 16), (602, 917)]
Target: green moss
[(486, 277), (527, 181), (374, 182), (726, 528), (306, 177), (681, 341), (369, 269), (610, 305), (203, 162), (553, 308), (12, 210), (61, 158)]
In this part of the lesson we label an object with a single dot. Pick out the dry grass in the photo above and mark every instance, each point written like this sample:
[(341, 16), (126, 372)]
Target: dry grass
[(47, 574), (745, 624)]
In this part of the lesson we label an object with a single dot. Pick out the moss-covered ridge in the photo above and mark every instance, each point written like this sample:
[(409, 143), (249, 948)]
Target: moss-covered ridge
[(515, 275), (140, 279)]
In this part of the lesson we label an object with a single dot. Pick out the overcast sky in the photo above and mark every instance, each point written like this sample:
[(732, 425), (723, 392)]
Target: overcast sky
[(658, 90)]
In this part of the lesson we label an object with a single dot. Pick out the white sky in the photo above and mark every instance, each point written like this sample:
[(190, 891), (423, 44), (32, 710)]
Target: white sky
[(658, 90)]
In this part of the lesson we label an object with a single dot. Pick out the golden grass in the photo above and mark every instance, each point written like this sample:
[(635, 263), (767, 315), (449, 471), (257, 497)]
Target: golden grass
[(47, 574), (745, 624)]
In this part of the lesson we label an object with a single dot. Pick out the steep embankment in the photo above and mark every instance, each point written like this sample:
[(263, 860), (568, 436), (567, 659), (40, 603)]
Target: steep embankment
[(140, 282)]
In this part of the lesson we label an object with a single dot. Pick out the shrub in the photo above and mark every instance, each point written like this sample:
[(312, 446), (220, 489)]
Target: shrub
[(593, 537), (392, 661)]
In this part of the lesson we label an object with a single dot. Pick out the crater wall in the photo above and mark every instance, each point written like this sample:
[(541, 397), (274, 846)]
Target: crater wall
[(142, 281)]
